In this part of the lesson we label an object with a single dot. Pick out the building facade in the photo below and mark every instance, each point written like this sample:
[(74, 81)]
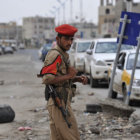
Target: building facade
[(10, 31), (86, 30), (109, 15), (34, 27)]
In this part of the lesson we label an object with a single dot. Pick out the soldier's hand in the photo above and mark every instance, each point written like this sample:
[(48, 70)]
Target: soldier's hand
[(83, 79), (72, 72)]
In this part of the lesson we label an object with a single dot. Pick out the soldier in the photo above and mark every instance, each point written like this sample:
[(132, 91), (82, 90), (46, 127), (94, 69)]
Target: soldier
[(57, 72)]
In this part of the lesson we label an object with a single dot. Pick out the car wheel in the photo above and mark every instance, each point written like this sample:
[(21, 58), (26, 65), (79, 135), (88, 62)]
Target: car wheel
[(84, 69), (93, 82), (7, 114), (124, 90), (114, 94)]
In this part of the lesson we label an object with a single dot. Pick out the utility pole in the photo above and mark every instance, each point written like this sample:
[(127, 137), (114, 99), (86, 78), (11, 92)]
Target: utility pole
[(71, 12), (81, 10), (129, 5), (63, 5)]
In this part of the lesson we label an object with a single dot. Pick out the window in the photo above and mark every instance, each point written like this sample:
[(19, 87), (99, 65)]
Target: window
[(107, 11), (83, 46), (130, 62), (121, 61), (106, 47)]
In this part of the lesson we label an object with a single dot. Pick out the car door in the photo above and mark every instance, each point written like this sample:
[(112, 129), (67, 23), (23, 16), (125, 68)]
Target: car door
[(117, 85), (88, 58), (72, 54)]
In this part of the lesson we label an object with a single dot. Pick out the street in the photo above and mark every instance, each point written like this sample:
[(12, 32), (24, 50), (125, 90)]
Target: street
[(23, 91)]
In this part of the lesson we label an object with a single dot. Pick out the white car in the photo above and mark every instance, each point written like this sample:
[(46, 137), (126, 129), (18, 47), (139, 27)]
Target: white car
[(77, 53), (8, 49), (40, 52), (99, 57), (123, 75)]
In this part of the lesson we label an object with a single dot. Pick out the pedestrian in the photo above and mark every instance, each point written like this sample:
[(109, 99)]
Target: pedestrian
[(58, 73)]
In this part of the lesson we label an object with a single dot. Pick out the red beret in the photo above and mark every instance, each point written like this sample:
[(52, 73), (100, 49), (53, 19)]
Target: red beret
[(66, 29)]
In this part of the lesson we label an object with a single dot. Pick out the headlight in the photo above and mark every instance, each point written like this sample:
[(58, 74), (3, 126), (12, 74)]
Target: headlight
[(80, 60), (136, 83), (100, 63)]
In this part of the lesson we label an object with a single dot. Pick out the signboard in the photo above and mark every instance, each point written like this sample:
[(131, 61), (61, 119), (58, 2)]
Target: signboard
[(132, 28)]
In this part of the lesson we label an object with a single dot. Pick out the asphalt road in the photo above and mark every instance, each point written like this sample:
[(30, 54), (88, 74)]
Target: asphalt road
[(100, 92)]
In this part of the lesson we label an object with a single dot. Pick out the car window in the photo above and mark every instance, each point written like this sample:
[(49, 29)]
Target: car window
[(110, 47), (130, 62), (47, 46), (121, 60), (126, 47), (83, 46), (106, 47)]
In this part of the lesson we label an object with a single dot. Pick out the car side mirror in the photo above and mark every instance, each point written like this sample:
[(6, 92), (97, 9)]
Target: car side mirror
[(72, 51), (89, 52), (120, 66)]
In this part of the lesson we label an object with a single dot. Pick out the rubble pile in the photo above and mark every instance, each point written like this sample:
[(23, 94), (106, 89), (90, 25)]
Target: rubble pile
[(103, 126)]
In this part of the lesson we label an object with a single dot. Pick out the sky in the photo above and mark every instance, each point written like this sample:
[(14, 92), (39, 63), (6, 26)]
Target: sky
[(15, 10)]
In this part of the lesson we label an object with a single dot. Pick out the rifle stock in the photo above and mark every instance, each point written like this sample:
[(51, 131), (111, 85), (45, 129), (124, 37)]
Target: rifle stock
[(57, 101)]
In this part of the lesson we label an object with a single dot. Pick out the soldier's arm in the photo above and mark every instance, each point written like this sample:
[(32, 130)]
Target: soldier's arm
[(48, 79), (58, 79), (82, 79)]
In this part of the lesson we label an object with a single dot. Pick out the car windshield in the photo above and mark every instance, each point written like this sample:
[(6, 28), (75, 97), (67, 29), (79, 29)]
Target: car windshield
[(130, 62), (83, 46), (110, 47), (47, 46)]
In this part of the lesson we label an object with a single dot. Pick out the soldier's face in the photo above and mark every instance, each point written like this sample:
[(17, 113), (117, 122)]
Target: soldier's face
[(65, 42)]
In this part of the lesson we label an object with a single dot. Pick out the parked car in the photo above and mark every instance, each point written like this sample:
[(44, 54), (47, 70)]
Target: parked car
[(99, 57), (1, 51), (14, 47), (40, 52), (77, 53), (45, 50), (21, 46), (123, 75), (2, 48), (8, 49)]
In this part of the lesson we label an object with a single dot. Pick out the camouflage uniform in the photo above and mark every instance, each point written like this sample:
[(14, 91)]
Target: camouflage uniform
[(57, 67)]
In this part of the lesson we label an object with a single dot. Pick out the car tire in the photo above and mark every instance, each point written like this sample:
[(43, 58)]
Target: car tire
[(93, 82), (114, 94), (84, 69), (7, 114), (124, 90), (93, 108)]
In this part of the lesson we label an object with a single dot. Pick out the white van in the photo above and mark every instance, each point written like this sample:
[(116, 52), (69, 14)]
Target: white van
[(77, 53)]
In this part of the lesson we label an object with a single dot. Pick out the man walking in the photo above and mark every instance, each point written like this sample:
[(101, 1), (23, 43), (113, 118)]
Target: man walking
[(58, 73)]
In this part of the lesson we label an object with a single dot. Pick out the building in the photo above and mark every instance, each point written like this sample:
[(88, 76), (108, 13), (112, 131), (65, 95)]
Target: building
[(34, 28), (10, 31), (109, 15), (86, 30)]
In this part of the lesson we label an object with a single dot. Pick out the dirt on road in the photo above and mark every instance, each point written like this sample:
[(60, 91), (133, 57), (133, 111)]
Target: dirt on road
[(23, 91)]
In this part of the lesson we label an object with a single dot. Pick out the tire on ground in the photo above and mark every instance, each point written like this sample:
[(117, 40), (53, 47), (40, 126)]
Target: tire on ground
[(93, 108), (93, 82), (114, 94), (7, 114)]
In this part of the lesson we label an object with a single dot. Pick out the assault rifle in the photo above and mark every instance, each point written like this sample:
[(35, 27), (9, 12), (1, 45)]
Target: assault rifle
[(57, 101)]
